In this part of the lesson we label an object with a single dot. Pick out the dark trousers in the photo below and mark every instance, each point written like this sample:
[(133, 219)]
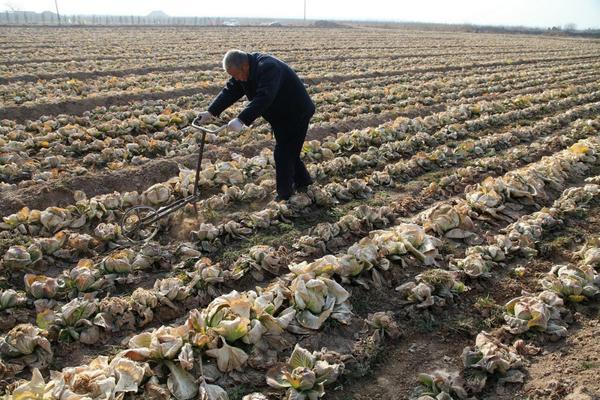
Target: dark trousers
[(289, 168)]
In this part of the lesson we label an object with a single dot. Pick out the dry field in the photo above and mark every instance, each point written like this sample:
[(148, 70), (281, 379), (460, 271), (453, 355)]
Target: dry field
[(449, 248)]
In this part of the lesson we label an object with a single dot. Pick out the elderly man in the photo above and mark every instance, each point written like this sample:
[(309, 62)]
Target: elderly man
[(278, 95)]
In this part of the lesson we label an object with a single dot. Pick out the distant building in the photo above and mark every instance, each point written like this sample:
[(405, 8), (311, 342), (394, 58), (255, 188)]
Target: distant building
[(158, 15)]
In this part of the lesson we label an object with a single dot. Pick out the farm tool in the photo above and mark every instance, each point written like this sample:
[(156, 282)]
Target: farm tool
[(140, 223)]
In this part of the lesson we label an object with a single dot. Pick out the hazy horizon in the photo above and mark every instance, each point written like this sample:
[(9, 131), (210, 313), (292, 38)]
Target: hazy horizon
[(584, 14)]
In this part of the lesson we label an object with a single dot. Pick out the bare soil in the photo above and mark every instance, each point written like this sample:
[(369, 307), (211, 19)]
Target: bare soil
[(568, 369)]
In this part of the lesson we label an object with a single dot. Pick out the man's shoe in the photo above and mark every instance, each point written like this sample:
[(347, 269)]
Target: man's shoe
[(302, 188), (279, 198)]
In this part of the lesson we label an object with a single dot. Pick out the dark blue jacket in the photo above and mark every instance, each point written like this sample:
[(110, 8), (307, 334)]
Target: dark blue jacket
[(274, 90)]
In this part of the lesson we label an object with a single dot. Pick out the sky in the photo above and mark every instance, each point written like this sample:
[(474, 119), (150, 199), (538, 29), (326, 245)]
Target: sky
[(534, 13)]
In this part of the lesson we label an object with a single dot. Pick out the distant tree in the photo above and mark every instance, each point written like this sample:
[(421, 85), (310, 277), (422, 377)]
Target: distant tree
[(570, 26)]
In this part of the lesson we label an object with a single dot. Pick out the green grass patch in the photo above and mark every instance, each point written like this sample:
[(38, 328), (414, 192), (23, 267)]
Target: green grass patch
[(589, 365)]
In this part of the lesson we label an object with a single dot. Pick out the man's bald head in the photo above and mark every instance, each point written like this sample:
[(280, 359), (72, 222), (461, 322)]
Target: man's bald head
[(235, 63)]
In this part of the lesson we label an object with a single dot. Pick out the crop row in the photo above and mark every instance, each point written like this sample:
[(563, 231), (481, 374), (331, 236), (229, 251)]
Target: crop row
[(500, 355), (86, 277), (166, 62), (250, 323), (106, 208), (55, 90), (325, 232), (102, 148), (328, 89), (47, 44), (393, 174)]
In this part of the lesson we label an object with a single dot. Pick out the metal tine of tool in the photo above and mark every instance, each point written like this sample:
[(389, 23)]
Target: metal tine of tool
[(155, 215)]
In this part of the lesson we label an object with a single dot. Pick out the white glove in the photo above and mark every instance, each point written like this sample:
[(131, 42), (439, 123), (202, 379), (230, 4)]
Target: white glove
[(203, 118), (235, 125)]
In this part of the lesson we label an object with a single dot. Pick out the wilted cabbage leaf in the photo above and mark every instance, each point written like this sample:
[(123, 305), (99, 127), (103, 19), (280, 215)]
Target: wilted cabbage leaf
[(229, 358), (541, 313), (440, 385), (489, 355), (304, 375), (572, 283)]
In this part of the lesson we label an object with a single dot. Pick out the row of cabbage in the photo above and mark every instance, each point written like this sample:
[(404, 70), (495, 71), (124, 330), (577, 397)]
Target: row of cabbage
[(103, 149), (327, 90), (107, 207), (166, 60), (313, 279), (48, 44), (101, 145), (326, 236), (499, 356), (110, 145), (498, 199), (442, 219), (57, 90), (91, 277), (67, 245), (356, 189)]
